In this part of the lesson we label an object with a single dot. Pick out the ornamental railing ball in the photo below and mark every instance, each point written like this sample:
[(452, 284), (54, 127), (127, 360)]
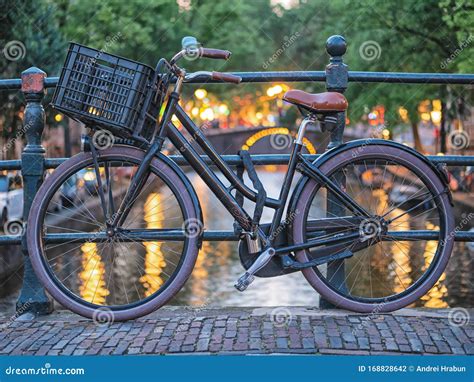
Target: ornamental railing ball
[(336, 46)]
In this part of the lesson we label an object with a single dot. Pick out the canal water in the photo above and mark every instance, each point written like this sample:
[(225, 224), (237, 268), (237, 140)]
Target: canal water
[(218, 266)]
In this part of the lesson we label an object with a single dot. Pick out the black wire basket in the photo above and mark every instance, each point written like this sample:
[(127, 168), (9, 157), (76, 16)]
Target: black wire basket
[(105, 91)]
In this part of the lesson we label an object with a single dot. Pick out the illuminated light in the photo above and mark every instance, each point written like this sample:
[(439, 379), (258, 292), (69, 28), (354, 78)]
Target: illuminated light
[(403, 113), (275, 131), (426, 117), (437, 105), (436, 117), (259, 115), (58, 117), (89, 176), (195, 111), (440, 154), (274, 90), (386, 133), (92, 110), (200, 93), (207, 114), (278, 89), (309, 146), (174, 119), (223, 109)]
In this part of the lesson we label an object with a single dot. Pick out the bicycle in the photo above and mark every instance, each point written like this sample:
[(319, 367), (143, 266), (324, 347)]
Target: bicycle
[(345, 207)]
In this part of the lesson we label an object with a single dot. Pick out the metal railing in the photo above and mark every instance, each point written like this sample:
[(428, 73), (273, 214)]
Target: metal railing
[(33, 84)]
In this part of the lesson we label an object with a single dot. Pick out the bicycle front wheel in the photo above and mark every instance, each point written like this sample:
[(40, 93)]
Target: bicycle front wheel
[(396, 263), (113, 274)]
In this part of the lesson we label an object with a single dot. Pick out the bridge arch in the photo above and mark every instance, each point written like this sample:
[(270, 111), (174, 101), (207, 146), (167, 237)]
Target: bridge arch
[(275, 132)]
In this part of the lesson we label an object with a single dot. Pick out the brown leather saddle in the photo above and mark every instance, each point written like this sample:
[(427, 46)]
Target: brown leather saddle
[(327, 102)]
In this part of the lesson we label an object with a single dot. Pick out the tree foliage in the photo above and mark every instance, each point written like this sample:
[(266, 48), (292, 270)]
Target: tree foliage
[(411, 36)]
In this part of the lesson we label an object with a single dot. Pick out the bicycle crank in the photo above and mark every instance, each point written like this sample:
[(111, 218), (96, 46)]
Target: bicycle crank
[(247, 278)]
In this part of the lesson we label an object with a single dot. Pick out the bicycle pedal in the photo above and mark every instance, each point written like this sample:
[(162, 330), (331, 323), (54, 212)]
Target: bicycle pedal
[(244, 281)]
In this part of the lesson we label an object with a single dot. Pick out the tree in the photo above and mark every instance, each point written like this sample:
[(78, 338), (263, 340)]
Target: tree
[(29, 37)]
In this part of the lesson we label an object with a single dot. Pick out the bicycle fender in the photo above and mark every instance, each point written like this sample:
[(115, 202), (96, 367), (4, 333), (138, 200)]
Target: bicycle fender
[(359, 143)]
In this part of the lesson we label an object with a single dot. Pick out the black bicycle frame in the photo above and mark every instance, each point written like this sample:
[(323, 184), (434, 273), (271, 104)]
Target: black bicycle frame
[(222, 192)]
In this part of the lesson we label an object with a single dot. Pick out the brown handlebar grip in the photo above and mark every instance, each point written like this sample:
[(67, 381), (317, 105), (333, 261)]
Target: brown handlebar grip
[(226, 77), (215, 53)]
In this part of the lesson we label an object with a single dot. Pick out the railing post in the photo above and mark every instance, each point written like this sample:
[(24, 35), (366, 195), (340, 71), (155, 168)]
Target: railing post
[(32, 297), (336, 81)]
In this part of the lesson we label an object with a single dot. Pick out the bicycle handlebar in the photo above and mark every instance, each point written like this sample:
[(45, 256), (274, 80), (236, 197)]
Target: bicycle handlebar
[(215, 53)]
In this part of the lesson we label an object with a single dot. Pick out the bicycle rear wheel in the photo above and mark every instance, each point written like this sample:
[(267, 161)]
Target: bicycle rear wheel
[(111, 274), (403, 260)]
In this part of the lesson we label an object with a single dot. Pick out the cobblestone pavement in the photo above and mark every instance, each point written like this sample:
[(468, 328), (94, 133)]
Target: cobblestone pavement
[(244, 331)]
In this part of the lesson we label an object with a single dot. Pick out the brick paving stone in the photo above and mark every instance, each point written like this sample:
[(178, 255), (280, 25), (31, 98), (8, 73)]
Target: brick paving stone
[(416, 345), (442, 347), (238, 331), (335, 342), (469, 348)]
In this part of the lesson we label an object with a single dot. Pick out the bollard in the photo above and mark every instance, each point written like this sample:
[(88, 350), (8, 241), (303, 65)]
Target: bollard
[(33, 298), (336, 81)]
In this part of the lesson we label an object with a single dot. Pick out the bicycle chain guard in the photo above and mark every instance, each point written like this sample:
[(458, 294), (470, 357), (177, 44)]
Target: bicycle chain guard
[(275, 266)]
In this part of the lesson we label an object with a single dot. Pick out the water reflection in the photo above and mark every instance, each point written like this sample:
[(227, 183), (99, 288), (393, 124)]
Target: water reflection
[(154, 259), (218, 266), (92, 277)]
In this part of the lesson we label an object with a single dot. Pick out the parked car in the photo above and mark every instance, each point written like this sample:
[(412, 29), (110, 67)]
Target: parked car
[(11, 197)]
